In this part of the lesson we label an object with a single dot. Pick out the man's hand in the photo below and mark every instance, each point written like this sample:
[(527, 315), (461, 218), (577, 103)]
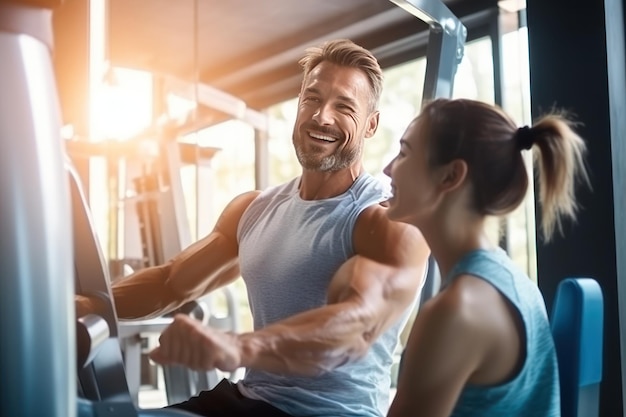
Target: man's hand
[(189, 343), (89, 305)]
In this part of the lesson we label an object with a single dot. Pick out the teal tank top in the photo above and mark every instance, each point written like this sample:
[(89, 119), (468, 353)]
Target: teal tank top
[(289, 250), (534, 391)]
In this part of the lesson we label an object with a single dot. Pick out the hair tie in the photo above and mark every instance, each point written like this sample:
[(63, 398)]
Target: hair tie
[(524, 138)]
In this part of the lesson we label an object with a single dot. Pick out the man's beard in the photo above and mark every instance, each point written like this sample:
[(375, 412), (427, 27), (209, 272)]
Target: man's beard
[(337, 161)]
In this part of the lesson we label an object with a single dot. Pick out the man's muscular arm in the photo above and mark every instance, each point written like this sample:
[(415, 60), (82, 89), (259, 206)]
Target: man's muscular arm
[(202, 267), (366, 296)]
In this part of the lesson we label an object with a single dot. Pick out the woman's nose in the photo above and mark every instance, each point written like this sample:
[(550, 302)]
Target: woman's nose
[(387, 169)]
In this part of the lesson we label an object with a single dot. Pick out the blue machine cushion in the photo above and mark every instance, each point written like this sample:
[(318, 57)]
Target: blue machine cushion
[(579, 300)]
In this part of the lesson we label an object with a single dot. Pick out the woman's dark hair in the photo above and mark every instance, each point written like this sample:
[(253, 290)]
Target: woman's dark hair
[(491, 144)]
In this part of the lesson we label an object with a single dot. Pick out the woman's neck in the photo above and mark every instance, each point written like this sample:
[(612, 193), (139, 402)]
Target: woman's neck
[(454, 234)]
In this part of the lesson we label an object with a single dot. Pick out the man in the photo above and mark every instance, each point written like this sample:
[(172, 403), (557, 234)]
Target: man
[(329, 277)]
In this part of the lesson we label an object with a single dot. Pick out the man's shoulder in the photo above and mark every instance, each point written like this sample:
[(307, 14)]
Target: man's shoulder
[(243, 200), (371, 188), (375, 214), (378, 237), (374, 225)]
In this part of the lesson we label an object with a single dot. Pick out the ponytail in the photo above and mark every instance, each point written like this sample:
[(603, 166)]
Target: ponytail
[(491, 144), (559, 156)]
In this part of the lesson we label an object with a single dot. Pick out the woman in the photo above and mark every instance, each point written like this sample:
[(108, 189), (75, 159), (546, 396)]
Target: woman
[(482, 346)]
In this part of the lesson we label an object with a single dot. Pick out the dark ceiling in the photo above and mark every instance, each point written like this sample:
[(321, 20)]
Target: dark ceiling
[(248, 49)]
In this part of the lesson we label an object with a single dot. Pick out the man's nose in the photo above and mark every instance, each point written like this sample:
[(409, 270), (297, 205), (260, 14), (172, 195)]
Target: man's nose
[(323, 115)]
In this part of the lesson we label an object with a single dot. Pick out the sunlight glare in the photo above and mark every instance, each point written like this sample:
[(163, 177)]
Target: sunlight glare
[(124, 107)]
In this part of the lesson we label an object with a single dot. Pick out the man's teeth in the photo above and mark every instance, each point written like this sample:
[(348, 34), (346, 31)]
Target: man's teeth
[(322, 137)]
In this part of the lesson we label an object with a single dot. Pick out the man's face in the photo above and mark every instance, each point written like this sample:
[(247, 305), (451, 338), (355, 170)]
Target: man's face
[(333, 118)]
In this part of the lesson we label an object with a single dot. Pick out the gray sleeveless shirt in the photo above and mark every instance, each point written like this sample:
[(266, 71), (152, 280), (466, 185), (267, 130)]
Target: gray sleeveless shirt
[(289, 250)]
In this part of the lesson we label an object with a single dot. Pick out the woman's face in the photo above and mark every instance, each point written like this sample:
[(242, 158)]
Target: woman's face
[(412, 182)]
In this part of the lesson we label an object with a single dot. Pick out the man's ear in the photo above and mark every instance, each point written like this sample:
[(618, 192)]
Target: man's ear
[(453, 175), (372, 124)]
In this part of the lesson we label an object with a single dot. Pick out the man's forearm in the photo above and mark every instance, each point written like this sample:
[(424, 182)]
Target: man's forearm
[(144, 295), (310, 343), (366, 298)]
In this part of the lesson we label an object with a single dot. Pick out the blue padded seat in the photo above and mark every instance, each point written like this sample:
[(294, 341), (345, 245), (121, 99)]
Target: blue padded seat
[(577, 328)]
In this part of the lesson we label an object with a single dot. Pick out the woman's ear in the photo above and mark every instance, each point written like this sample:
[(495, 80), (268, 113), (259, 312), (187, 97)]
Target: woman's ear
[(453, 175)]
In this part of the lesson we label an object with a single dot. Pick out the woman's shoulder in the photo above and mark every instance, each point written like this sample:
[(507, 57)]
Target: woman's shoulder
[(468, 302)]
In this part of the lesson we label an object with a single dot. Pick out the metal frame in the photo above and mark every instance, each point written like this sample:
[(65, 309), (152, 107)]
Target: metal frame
[(616, 68), (446, 44), (217, 99), (38, 354)]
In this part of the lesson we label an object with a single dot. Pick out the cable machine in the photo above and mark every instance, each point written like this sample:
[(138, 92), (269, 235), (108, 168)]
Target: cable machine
[(48, 346)]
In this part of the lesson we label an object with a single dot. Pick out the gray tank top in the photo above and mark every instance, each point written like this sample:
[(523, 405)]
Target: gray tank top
[(534, 391), (289, 250)]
